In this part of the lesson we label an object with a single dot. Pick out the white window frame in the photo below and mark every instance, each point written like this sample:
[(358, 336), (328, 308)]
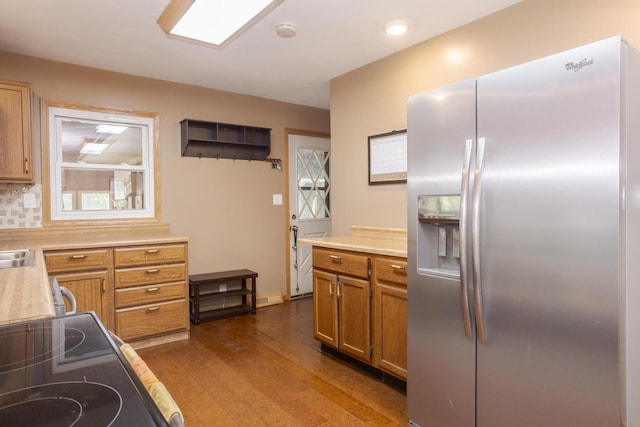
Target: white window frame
[(147, 123)]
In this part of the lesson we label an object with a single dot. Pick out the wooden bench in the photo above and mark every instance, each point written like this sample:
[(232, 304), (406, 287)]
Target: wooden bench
[(207, 291)]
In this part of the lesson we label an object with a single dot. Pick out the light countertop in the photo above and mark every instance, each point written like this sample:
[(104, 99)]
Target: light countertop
[(25, 293), (374, 240)]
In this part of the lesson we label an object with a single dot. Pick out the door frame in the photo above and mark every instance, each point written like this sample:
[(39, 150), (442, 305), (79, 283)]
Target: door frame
[(287, 220)]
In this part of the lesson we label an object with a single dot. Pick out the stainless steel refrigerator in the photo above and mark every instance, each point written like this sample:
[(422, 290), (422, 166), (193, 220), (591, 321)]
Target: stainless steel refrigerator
[(523, 226)]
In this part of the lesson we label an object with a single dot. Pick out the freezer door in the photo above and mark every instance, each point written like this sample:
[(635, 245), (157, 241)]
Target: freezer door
[(440, 357), (549, 241)]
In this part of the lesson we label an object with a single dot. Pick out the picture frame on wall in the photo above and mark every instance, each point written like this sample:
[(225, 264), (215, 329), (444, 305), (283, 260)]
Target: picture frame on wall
[(388, 157)]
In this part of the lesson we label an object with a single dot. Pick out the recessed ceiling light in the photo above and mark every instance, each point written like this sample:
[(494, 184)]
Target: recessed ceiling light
[(396, 28), (212, 21)]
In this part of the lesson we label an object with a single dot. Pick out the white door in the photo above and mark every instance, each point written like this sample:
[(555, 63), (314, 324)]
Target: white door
[(309, 205)]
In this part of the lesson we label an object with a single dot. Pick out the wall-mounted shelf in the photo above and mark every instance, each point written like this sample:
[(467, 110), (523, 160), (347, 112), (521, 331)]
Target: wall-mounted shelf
[(224, 140)]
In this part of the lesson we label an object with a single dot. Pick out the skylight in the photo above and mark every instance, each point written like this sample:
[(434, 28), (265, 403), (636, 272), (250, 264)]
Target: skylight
[(213, 21)]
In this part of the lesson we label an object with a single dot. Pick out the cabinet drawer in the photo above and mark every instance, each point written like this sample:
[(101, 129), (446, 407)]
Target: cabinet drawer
[(341, 262), (391, 270), (150, 275), (151, 319), (149, 294), (146, 255), (77, 260)]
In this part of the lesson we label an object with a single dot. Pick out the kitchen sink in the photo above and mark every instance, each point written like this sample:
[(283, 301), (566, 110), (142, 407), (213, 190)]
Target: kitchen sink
[(17, 258)]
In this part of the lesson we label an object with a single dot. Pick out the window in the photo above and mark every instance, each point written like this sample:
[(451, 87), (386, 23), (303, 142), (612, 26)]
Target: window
[(102, 164)]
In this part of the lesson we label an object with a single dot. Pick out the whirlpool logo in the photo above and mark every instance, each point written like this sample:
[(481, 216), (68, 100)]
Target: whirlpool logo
[(572, 66)]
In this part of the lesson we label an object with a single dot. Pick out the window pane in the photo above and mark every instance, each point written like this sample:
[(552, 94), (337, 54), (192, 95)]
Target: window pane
[(91, 189), (94, 201), (86, 141)]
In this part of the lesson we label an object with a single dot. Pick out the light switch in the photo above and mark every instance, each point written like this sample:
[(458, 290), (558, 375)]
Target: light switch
[(277, 199), (29, 200)]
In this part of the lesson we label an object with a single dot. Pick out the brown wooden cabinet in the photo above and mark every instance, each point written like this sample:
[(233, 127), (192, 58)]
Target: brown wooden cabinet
[(138, 291), (390, 315), (360, 306), (86, 273), (15, 132), (150, 290), (342, 301)]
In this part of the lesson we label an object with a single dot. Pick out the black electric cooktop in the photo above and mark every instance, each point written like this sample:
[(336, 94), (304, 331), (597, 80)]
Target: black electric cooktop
[(64, 372)]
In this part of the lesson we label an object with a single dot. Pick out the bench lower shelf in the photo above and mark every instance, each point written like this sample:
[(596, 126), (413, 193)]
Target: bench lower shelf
[(222, 312)]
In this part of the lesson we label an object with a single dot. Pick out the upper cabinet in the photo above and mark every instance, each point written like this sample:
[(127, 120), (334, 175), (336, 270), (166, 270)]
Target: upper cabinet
[(15, 132)]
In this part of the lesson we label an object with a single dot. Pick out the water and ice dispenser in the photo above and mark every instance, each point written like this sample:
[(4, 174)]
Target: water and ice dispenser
[(439, 235)]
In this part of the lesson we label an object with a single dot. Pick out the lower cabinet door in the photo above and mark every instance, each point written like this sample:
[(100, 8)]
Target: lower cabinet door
[(90, 292), (391, 329), (325, 308), (354, 301)]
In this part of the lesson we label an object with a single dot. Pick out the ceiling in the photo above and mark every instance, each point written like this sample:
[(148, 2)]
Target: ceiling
[(333, 37)]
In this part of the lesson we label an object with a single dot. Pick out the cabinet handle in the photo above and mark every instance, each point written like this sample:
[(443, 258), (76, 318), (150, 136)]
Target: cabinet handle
[(104, 286), (152, 309), (335, 258), (26, 166), (330, 287), (398, 267), (153, 290), (152, 251), (154, 270), (338, 287), (77, 257)]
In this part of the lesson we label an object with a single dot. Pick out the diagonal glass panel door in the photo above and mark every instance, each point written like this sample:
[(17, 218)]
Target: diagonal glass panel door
[(309, 205)]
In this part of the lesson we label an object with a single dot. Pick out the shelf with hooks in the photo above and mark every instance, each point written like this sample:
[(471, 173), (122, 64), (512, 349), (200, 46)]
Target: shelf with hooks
[(224, 140)]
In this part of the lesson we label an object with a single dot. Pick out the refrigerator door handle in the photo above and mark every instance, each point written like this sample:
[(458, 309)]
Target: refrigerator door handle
[(464, 280), (475, 242)]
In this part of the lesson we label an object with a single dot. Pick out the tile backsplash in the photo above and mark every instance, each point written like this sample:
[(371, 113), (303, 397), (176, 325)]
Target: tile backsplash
[(13, 214)]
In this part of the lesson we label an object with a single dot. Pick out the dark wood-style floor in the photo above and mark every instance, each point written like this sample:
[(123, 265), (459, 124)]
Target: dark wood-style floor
[(266, 370)]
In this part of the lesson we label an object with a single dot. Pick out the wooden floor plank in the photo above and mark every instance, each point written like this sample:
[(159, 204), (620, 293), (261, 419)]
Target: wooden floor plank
[(266, 369)]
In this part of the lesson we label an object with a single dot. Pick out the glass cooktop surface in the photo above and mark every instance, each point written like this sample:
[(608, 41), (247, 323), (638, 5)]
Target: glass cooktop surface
[(64, 371)]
